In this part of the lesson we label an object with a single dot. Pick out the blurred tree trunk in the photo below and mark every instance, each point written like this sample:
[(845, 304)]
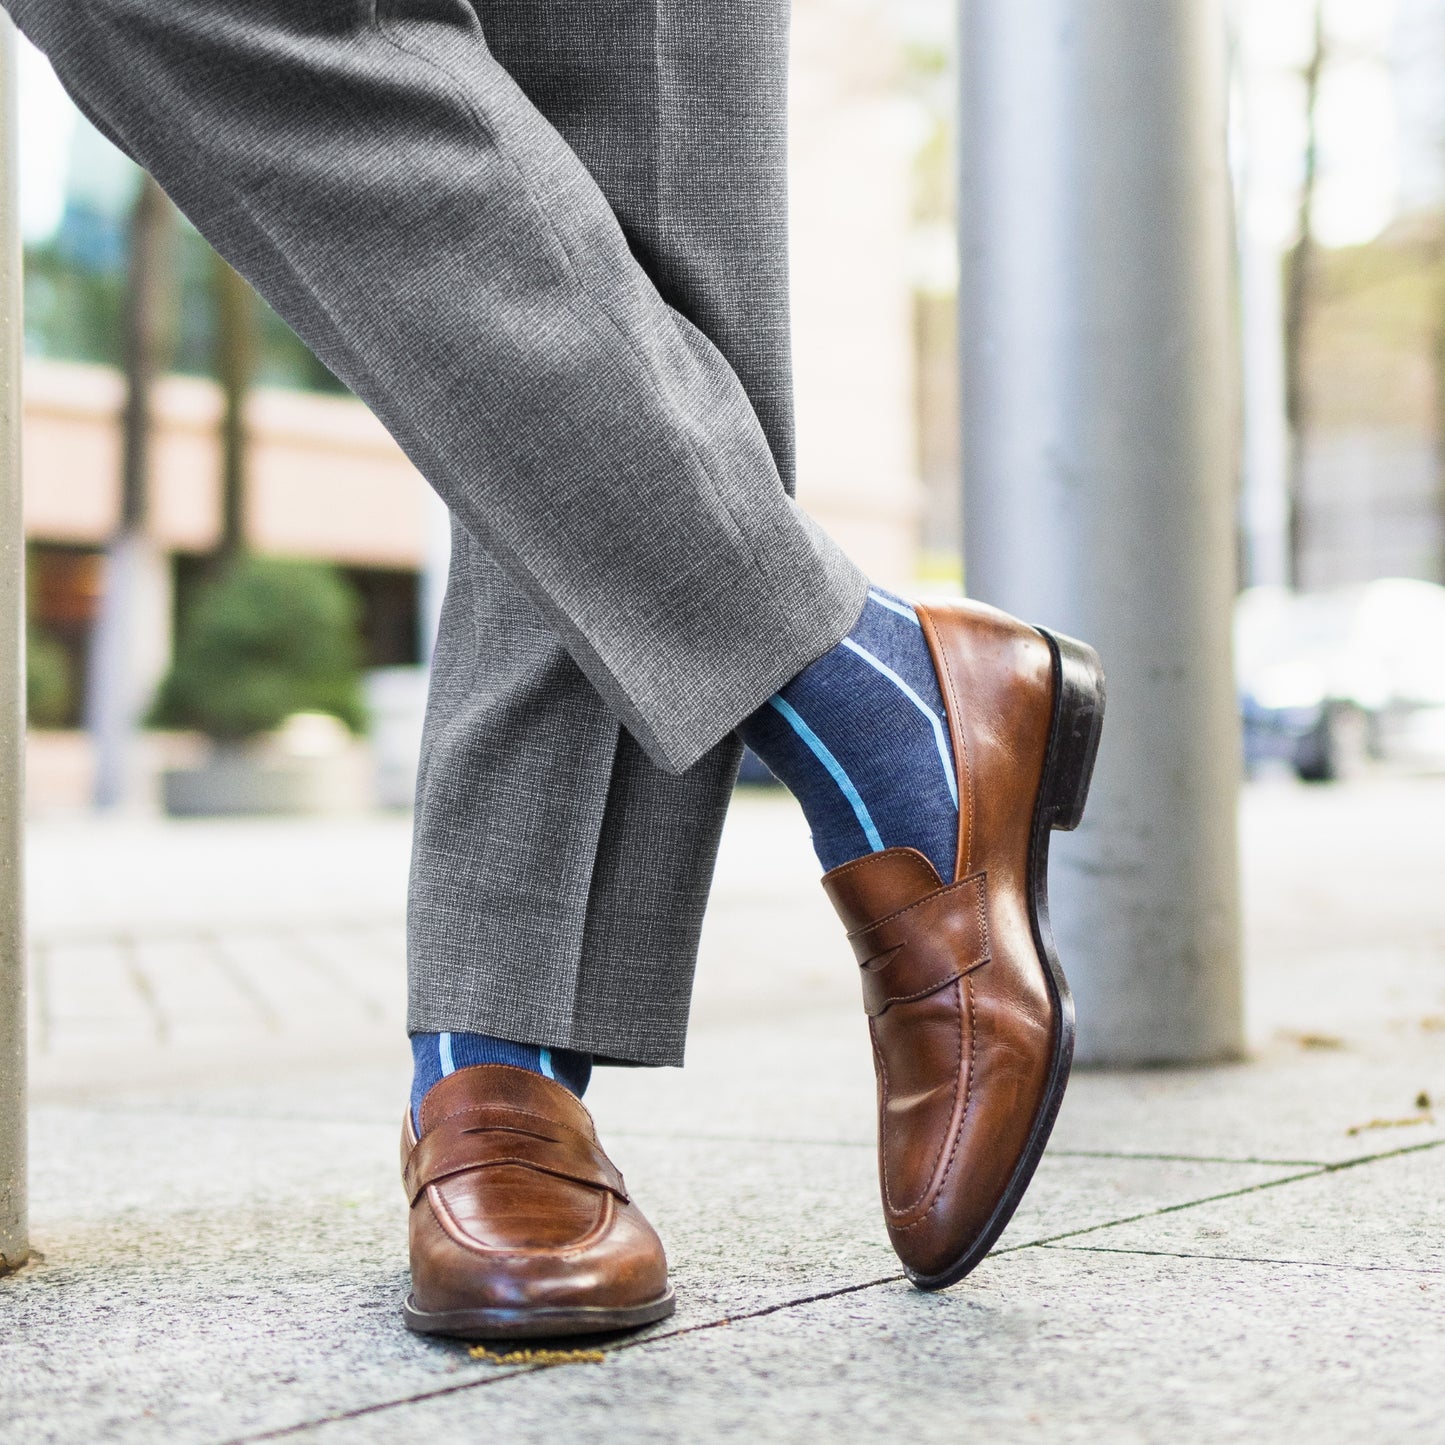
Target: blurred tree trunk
[(235, 364), (149, 339), (127, 652), (1297, 301)]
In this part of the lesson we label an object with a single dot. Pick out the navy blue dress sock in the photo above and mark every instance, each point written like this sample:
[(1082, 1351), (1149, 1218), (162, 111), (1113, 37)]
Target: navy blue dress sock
[(434, 1056), (860, 738)]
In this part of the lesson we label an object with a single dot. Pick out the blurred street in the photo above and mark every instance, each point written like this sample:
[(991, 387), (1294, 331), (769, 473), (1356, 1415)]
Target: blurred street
[(1244, 1252)]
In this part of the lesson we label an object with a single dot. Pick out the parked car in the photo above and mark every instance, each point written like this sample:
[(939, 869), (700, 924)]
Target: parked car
[(1330, 681)]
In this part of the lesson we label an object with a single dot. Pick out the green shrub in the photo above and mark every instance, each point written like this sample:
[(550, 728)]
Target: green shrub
[(267, 639), (47, 681)]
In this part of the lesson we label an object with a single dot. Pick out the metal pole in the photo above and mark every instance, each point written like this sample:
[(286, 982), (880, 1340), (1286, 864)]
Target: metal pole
[(14, 1245), (1100, 448)]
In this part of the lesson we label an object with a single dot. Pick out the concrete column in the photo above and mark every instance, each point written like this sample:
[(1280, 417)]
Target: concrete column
[(1100, 455), (13, 1240)]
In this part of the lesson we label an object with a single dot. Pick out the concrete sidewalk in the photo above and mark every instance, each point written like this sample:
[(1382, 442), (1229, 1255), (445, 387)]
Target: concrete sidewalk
[(1251, 1252)]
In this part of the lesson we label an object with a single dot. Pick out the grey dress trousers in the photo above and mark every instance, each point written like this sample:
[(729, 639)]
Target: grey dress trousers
[(546, 244)]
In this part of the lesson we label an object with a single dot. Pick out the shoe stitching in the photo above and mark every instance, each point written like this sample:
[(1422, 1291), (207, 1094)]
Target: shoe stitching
[(592, 1148), (963, 1113), (924, 992), (476, 1166), (933, 1169), (481, 1108), (474, 1108), (981, 914), (981, 878), (965, 822), (867, 858), (965, 819), (883, 1131)]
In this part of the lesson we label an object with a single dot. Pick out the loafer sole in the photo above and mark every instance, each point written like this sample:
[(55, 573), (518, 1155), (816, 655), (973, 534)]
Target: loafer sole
[(531, 1324)]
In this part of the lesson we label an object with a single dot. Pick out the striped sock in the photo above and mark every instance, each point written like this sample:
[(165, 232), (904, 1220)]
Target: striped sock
[(434, 1056), (860, 738)]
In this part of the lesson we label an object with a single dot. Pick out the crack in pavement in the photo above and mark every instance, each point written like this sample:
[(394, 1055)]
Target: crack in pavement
[(1245, 1259), (1186, 1158), (1317, 1173), (421, 1396), (641, 1342)]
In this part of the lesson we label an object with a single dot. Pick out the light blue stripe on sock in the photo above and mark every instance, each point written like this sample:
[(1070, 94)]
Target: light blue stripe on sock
[(544, 1062), (940, 740), (444, 1050), (901, 608), (820, 750)]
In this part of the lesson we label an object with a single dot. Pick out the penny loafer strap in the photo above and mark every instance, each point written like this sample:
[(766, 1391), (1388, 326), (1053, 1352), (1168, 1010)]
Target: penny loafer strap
[(924, 947), (485, 1138)]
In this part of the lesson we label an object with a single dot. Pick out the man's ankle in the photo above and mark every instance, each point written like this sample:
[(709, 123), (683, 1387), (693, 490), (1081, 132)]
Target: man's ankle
[(860, 738), (434, 1056)]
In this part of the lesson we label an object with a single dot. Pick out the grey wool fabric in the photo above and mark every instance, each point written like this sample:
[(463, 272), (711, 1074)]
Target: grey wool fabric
[(546, 244)]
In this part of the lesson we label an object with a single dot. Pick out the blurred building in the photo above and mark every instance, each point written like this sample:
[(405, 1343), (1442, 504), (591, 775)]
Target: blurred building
[(326, 481), (1372, 484), (1372, 500), (1366, 466), (852, 148)]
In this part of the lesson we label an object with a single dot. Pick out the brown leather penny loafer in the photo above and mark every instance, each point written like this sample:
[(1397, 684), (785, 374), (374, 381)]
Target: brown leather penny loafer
[(520, 1225), (970, 1014)]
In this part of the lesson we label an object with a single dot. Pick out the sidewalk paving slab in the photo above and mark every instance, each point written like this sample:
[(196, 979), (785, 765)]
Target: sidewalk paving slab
[(224, 1231), (1041, 1345), (1385, 1214), (260, 1286), (1288, 1104)]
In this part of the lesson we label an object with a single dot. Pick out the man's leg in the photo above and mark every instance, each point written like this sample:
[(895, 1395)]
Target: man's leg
[(558, 875), (386, 185), (578, 928), (970, 1014), (678, 109), (589, 343)]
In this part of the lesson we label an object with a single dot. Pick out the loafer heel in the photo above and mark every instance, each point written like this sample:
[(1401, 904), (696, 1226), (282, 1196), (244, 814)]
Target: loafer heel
[(1078, 723)]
